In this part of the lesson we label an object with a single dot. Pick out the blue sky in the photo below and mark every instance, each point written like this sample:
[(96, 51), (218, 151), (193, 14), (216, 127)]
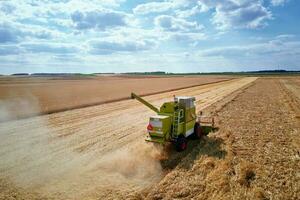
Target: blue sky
[(170, 35)]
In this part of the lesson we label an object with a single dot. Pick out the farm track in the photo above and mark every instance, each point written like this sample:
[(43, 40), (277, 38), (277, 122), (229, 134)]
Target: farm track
[(84, 152)]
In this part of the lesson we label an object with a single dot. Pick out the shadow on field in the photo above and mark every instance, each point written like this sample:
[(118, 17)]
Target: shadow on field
[(209, 146)]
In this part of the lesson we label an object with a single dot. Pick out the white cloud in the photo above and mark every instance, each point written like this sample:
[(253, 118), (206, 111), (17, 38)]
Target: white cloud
[(199, 8), (7, 35), (99, 35), (15, 32), (237, 14), (9, 50), (272, 49), (179, 30), (113, 46), (159, 7), (153, 7), (244, 14), (169, 23), (285, 36), (111, 3), (278, 2), (52, 48), (191, 39), (7, 7), (100, 19), (227, 14)]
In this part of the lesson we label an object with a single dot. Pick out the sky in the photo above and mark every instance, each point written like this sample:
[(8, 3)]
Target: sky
[(61, 36)]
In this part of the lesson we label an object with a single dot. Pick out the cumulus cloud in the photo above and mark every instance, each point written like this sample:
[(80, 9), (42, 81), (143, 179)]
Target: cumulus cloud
[(9, 50), (191, 39), (14, 33), (169, 23), (7, 35), (270, 48), (159, 7), (92, 30), (198, 8), (113, 3), (49, 48), (255, 56), (101, 19), (156, 7), (285, 36), (227, 14), (109, 47), (179, 30), (240, 14), (278, 2), (7, 8)]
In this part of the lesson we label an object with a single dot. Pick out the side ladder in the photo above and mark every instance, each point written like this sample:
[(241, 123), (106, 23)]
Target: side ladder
[(177, 118)]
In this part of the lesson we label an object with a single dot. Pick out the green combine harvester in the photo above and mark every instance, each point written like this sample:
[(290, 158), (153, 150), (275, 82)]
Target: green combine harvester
[(175, 121)]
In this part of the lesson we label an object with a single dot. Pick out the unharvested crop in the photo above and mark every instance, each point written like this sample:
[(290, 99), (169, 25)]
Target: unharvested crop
[(60, 94)]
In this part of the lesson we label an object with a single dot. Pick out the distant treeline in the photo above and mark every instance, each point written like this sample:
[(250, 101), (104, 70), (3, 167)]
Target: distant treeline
[(55, 74), (20, 74), (272, 72), (261, 72), (148, 73), (50, 74)]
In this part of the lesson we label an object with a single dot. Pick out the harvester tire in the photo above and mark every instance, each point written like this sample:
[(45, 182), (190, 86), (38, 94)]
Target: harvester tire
[(181, 143), (197, 131)]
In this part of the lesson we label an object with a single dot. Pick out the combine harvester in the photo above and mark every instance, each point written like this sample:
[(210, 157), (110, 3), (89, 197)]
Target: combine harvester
[(175, 121)]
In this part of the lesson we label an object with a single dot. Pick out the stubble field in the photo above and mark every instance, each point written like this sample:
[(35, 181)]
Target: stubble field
[(98, 152)]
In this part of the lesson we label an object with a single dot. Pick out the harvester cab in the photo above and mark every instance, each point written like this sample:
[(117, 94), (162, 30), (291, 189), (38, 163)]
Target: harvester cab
[(173, 122)]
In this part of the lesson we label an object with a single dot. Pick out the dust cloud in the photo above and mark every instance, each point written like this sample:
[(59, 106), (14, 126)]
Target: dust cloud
[(137, 162), (33, 157), (16, 107), (29, 153)]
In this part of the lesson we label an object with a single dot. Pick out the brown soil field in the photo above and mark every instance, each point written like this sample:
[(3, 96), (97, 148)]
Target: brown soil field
[(55, 94), (99, 152)]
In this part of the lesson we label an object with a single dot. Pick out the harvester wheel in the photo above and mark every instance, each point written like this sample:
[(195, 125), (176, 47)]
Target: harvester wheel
[(197, 131), (181, 143)]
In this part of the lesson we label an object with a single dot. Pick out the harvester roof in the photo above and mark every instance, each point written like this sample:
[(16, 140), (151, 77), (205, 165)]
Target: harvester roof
[(185, 101)]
